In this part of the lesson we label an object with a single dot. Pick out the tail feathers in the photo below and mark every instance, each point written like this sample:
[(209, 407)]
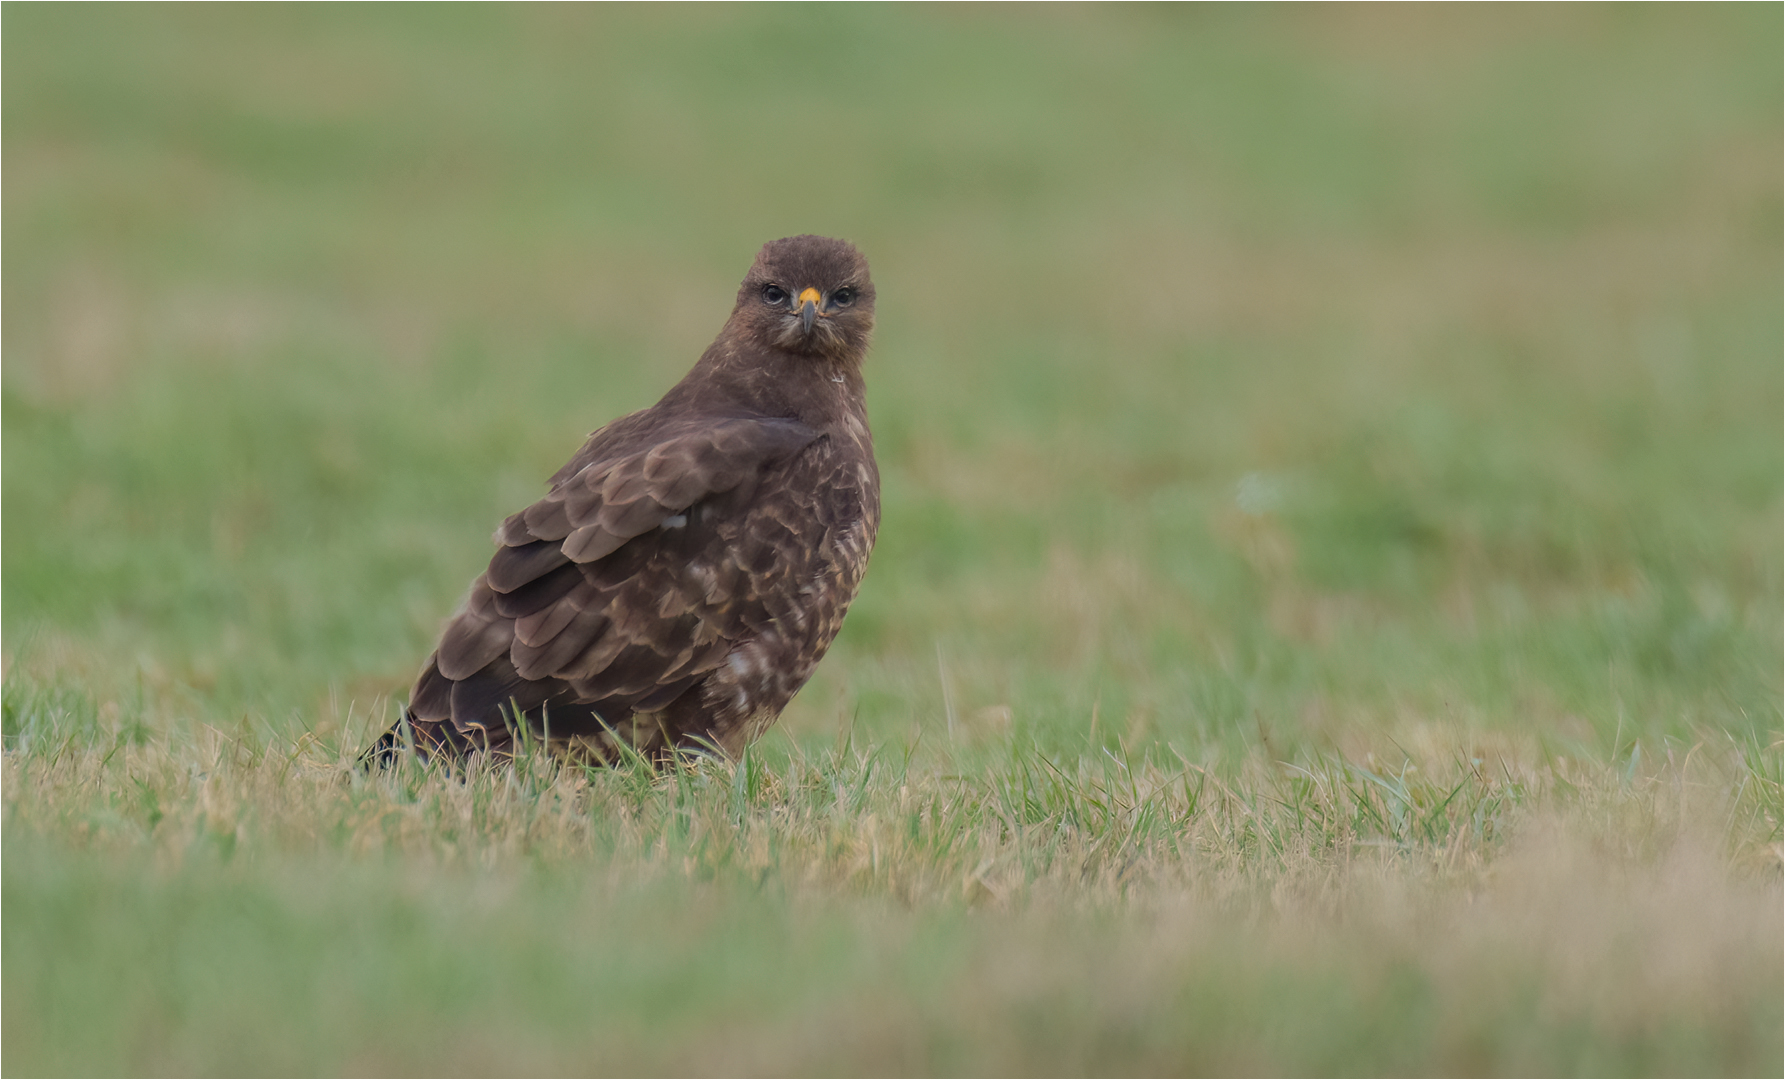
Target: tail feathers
[(382, 754), (445, 741), (429, 739)]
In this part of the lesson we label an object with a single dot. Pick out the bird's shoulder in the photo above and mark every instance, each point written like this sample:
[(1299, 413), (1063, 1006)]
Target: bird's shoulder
[(642, 468)]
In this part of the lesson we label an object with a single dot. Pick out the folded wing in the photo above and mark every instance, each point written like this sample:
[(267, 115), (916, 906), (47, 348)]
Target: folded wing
[(620, 587)]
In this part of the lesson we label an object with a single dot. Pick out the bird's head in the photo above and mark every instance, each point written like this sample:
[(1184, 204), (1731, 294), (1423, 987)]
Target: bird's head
[(809, 294)]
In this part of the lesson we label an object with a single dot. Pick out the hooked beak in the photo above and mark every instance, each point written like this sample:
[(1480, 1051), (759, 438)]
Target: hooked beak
[(808, 305)]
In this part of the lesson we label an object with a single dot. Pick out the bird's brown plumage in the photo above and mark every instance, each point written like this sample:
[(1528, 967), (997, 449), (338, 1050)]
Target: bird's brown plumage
[(693, 561)]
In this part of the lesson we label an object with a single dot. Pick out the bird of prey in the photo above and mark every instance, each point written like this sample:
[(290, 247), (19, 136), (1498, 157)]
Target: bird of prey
[(693, 561)]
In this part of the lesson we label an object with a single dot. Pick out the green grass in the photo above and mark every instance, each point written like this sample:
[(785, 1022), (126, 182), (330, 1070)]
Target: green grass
[(1327, 613)]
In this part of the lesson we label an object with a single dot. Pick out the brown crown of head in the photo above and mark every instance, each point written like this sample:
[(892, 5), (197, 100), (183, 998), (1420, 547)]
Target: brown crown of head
[(808, 294)]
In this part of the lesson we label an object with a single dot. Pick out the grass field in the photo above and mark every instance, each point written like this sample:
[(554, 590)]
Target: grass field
[(1327, 616)]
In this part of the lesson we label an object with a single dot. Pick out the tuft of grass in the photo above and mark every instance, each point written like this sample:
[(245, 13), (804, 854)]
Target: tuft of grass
[(907, 908)]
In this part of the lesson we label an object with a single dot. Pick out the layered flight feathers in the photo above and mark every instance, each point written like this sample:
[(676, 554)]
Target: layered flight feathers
[(546, 600)]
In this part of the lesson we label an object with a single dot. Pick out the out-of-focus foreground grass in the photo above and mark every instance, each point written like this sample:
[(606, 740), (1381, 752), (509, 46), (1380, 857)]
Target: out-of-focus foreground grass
[(1327, 614)]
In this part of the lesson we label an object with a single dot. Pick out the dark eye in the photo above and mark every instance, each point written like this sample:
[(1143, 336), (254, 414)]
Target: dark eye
[(774, 295), (843, 297)]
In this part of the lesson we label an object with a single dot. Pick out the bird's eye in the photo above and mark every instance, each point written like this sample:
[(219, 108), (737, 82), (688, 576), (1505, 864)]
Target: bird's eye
[(843, 297), (774, 295)]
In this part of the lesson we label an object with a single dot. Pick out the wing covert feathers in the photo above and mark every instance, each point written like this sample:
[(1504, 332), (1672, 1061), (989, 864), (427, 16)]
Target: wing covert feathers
[(640, 572)]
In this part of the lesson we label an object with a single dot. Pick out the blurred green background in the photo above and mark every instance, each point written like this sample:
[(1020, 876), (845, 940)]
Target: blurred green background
[(1365, 388), (1332, 372)]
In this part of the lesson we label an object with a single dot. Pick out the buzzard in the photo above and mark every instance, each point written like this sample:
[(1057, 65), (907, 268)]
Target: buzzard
[(693, 561)]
